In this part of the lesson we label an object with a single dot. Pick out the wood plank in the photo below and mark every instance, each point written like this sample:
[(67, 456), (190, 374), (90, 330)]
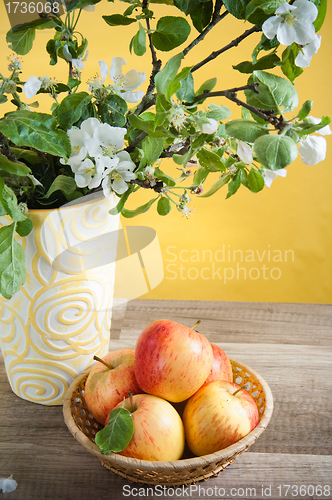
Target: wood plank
[(246, 322), (288, 344)]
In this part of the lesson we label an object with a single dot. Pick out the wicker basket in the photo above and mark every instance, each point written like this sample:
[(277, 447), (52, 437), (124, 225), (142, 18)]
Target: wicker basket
[(185, 471)]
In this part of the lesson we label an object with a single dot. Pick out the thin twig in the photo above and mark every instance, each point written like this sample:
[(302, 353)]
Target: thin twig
[(146, 184), (215, 20), (234, 43), (267, 115), (135, 142), (180, 148), (156, 65)]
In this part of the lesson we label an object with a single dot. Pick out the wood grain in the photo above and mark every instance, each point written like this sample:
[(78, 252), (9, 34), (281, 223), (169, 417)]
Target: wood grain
[(288, 344)]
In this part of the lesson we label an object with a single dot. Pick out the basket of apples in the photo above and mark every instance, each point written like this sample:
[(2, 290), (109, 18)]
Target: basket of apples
[(175, 410)]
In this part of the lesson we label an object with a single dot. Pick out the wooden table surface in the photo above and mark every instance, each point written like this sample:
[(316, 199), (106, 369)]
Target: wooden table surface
[(288, 344)]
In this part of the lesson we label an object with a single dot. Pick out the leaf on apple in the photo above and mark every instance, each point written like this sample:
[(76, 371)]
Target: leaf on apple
[(116, 435)]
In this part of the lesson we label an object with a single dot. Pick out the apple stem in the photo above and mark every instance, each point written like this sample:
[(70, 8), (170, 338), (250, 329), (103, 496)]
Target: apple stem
[(197, 323), (238, 390), (103, 362), (132, 404)]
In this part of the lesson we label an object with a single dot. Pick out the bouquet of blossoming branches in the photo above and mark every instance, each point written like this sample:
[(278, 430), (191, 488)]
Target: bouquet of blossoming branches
[(93, 141)]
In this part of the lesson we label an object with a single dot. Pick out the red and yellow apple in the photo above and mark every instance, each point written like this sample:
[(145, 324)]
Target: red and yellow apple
[(107, 385), (217, 416), (158, 429), (171, 361), (221, 366)]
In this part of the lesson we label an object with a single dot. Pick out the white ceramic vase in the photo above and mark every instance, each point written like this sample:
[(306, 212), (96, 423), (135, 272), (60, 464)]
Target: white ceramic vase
[(51, 329)]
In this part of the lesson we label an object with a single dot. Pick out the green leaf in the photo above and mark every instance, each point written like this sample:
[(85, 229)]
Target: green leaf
[(26, 155), (275, 151), (138, 211), (255, 181), (152, 148), (243, 177), (166, 75), (175, 83), (207, 86), (218, 113), (80, 4), (288, 66), (24, 227), (217, 185), (63, 183), (21, 37), (257, 11), (274, 92), (119, 207), (148, 126), (170, 33), (139, 41), (52, 48), (201, 16), (116, 435), (183, 159), (118, 20), (200, 176), (234, 185), (307, 128), (9, 202), (266, 62), (36, 130), (187, 91), (71, 108), (188, 6), (117, 109), (305, 110), (264, 44), (169, 181), (14, 168), (164, 206), (236, 7), (245, 130), (210, 160), (322, 7), (12, 262)]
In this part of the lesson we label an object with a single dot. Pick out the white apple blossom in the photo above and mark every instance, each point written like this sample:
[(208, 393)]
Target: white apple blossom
[(116, 178), (177, 117), (106, 140), (312, 149), (211, 127), (125, 85), (270, 175), (292, 23), (303, 59), (34, 84), (244, 151), (87, 174), (31, 87), (7, 485)]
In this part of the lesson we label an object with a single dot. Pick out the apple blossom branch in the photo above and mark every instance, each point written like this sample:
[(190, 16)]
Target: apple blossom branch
[(231, 94), (148, 99), (232, 44), (156, 65)]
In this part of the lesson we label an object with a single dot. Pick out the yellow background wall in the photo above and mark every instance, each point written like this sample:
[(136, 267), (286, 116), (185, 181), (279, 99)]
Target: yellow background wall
[(272, 246)]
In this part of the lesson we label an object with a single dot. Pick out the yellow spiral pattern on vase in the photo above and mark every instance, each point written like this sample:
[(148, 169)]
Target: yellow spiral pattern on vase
[(51, 329)]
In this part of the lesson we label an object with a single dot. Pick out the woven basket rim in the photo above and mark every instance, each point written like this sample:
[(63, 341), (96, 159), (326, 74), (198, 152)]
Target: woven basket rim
[(162, 466)]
